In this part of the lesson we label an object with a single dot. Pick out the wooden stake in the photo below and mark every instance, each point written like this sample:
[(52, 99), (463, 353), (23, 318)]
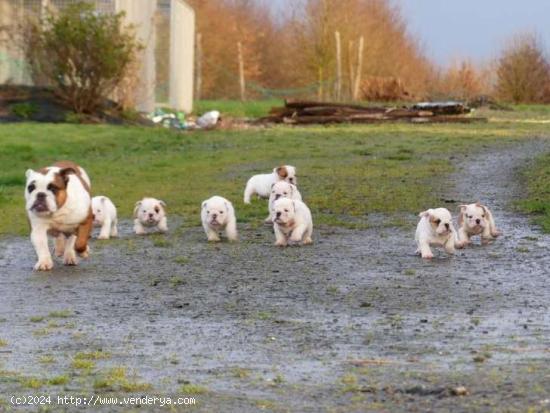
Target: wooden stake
[(359, 69), (351, 68), (241, 70), (338, 67)]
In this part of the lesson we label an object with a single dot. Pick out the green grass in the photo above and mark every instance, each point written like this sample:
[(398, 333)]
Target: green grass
[(116, 379), (537, 202), (344, 172), (235, 108)]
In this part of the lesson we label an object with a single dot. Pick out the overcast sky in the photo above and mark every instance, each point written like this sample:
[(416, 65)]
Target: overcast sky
[(476, 29)]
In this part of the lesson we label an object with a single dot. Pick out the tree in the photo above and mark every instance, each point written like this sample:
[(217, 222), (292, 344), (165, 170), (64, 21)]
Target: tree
[(523, 72), (84, 55)]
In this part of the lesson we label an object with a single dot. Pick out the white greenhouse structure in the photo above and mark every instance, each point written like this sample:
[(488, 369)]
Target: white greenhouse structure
[(165, 27)]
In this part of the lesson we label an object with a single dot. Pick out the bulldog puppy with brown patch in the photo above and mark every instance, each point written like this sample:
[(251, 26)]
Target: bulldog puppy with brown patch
[(58, 203), (261, 184), (217, 215), (150, 215), (476, 219), (105, 216), (281, 189), (292, 222), (436, 228)]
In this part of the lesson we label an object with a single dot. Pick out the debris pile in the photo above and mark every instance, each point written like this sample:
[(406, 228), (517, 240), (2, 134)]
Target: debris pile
[(307, 112)]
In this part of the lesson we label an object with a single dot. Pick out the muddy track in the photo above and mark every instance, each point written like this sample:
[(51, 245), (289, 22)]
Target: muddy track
[(354, 323)]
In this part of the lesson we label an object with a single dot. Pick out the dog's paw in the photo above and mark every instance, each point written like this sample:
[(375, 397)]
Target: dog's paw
[(496, 233), (103, 237), (44, 264), (86, 253), (308, 241), (280, 244), (461, 244), (70, 259), (214, 239), (427, 256)]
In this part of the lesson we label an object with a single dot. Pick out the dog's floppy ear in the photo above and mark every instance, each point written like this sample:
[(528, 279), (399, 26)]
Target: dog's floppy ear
[(426, 213), (282, 171), (28, 173), (138, 204), (203, 205), (162, 203), (65, 172), (103, 199), (461, 210), (478, 204)]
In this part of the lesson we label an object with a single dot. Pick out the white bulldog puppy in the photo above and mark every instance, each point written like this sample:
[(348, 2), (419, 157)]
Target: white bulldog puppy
[(281, 189), (58, 203), (291, 222), (149, 213), (476, 219), (105, 216), (217, 214), (261, 184), (436, 228)]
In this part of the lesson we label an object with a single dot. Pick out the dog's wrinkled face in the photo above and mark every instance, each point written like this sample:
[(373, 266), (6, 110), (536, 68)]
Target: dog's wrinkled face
[(440, 220), (287, 173), (283, 211), (46, 190), (149, 211), (282, 189), (216, 212), (98, 210), (473, 216)]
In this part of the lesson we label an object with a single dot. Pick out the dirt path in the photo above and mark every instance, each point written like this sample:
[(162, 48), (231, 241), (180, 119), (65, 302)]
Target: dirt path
[(354, 323)]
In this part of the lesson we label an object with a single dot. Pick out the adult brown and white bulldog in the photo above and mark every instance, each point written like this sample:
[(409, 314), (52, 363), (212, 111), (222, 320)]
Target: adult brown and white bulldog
[(58, 203)]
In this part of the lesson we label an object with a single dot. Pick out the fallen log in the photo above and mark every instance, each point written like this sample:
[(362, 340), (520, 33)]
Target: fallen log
[(323, 120), (407, 113), (302, 104), (449, 119), (442, 108)]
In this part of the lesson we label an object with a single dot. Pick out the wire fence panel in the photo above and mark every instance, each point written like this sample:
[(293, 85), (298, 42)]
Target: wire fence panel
[(165, 77)]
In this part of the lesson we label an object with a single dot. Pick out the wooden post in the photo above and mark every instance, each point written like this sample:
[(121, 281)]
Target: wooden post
[(359, 69), (338, 67), (351, 69), (198, 80), (241, 70)]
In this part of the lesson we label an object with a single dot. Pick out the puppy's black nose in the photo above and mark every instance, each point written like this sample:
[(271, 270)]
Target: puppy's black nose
[(277, 196), (150, 215), (478, 221), (447, 225), (93, 216), (214, 216), (40, 195), (278, 214)]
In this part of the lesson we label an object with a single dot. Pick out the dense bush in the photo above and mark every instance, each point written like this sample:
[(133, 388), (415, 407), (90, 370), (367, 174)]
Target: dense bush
[(523, 73), (83, 54)]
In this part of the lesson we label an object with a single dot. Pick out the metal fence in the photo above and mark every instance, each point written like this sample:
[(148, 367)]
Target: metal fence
[(165, 27)]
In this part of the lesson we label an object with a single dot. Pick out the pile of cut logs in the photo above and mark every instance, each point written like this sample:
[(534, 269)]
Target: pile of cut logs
[(306, 112)]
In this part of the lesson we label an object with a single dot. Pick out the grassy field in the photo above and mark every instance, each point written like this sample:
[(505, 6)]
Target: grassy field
[(345, 172), (250, 109), (537, 202)]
